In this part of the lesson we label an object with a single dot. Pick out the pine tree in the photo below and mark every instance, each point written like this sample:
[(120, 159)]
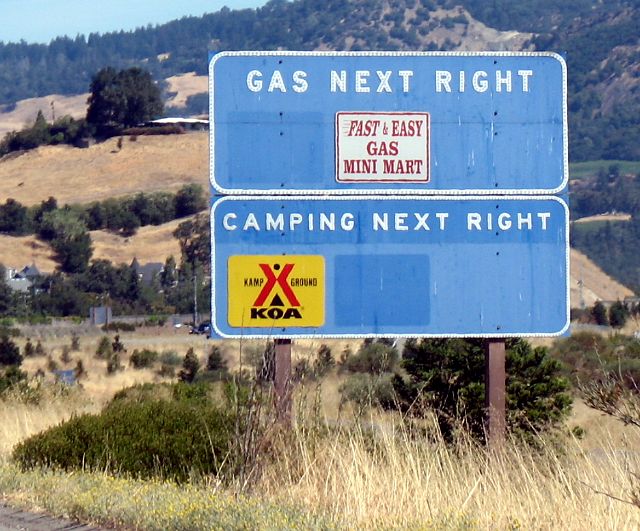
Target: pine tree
[(9, 352), (190, 367), (599, 313), (447, 376)]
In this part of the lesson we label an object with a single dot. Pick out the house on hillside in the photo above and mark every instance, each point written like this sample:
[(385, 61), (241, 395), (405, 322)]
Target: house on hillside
[(188, 124), (22, 280), (148, 272)]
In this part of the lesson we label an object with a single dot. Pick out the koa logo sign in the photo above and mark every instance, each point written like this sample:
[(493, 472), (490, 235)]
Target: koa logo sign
[(268, 291)]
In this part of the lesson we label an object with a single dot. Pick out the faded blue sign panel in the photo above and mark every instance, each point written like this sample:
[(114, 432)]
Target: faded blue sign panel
[(409, 266), (413, 123)]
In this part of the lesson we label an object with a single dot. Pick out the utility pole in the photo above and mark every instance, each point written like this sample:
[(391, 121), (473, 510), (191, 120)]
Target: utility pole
[(195, 297)]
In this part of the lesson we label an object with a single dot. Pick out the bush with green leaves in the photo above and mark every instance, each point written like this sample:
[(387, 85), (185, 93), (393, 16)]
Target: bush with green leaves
[(104, 349), (324, 361), (152, 433), (368, 390), (586, 356), (374, 357), (10, 377), (142, 359), (447, 376), (190, 367), (217, 367), (9, 352)]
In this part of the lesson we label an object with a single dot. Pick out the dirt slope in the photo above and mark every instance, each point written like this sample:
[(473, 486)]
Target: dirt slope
[(150, 244), (26, 111), (152, 164), (596, 284), (185, 85), (73, 175), (155, 244)]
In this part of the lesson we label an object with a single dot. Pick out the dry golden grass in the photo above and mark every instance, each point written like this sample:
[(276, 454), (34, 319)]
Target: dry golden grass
[(26, 111), (150, 244), (186, 85), (406, 482), (597, 285), (19, 420), (73, 175), (374, 476), (18, 252)]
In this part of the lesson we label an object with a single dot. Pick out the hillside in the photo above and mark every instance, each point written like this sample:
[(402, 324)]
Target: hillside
[(25, 111), (73, 175), (150, 244), (155, 244), (159, 163)]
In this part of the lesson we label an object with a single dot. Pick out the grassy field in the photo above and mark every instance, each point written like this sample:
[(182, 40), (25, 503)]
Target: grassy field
[(332, 471), (582, 170)]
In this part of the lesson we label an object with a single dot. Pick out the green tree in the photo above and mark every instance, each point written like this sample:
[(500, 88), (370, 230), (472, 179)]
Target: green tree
[(14, 218), (169, 274), (69, 239), (9, 351), (618, 314), (194, 236), (599, 313), (375, 357), (190, 199), (324, 361), (448, 376), (215, 360), (6, 294), (190, 367), (122, 99)]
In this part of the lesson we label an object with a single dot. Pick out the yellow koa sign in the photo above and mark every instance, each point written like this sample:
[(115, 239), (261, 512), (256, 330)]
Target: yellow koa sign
[(276, 291)]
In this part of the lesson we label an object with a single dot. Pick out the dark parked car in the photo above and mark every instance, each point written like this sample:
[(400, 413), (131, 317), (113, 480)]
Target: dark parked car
[(202, 328)]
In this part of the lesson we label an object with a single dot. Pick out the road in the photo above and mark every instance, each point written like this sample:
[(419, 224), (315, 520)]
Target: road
[(15, 519)]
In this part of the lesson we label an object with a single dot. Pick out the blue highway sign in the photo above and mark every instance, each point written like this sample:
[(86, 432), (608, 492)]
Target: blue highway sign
[(411, 123), (410, 266)]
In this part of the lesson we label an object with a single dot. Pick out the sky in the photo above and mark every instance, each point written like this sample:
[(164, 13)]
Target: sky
[(39, 21)]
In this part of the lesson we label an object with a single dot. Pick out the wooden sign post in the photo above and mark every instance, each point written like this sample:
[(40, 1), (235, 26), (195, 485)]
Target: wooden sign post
[(282, 380), (495, 394)]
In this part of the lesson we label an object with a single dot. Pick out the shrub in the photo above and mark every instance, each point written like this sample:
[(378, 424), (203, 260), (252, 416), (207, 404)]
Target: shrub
[(104, 349), (75, 342), (366, 390), (448, 376), (29, 349), (40, 349), (324, 361), (167, 438), (65, 357), (10, 331), (373, 357), (144, 358), (118, 326), (113, 363), (11, 377), (171, 129), (190, 367), (170, 358), (9, 352), (217, 366)]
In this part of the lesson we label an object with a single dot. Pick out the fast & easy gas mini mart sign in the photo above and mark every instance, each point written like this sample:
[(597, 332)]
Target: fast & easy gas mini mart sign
[(415, 123)]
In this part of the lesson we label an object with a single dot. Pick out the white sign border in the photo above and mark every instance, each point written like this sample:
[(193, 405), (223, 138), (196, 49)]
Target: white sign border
[(385, 191), (380, 197)]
